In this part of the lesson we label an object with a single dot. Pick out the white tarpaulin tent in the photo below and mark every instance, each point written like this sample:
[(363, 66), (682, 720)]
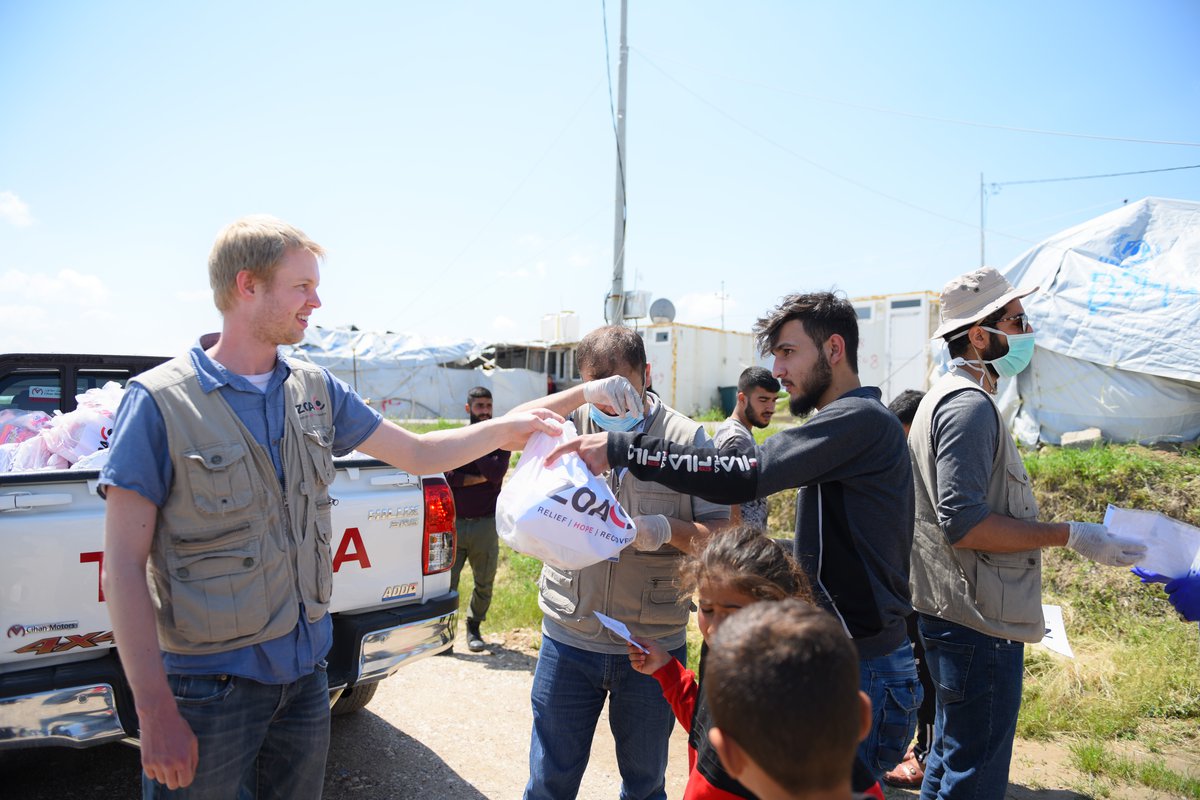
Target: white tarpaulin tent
[(409, 377), (1118, 327)]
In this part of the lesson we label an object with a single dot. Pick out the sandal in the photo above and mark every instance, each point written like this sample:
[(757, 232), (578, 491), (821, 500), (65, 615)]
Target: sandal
[(907, 775)]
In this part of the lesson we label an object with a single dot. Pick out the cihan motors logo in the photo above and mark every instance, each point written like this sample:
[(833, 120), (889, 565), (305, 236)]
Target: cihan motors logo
[(42, 627), (308, 406)]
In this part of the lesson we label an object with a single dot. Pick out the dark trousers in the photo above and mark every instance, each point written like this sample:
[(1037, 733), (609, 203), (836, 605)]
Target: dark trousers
[(479, 546), (925, 714)]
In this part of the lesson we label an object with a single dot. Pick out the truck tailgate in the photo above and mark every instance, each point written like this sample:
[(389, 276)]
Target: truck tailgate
[(52, 538), (52, 605), (378, 539)]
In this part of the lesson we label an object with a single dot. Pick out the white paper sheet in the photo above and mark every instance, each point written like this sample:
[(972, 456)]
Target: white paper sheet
[(619, 628), (1172, 547), (1056, 632)]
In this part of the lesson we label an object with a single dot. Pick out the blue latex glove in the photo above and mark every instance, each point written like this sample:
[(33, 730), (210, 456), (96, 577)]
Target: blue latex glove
[(1183, 593), (1149, 577)]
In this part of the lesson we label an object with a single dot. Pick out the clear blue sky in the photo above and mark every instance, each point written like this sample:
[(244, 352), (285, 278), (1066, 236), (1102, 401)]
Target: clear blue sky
[(457, 159)]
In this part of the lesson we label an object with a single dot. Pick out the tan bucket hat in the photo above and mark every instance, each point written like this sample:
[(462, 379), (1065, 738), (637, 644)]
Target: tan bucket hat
[(971, 297)]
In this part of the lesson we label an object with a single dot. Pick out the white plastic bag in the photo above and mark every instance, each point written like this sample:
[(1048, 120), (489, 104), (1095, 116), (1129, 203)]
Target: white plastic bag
[(95, 460), (77, 433), (563, 515), (104, 399)]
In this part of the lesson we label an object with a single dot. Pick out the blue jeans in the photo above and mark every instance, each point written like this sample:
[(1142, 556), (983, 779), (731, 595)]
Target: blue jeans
[(256, 740), (569, 689), (891, 682), (977, 679)]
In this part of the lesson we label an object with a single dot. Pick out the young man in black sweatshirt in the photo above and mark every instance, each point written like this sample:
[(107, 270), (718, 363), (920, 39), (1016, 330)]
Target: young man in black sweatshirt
[(854, 511)]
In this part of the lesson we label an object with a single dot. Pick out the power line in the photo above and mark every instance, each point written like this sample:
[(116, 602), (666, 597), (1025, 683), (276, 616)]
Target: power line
[(929, 117), (803, 158), (1090, 177), (420, 293)]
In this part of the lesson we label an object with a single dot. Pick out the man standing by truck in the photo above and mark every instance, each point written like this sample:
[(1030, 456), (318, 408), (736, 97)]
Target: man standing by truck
[(476, 487), (217, 490)]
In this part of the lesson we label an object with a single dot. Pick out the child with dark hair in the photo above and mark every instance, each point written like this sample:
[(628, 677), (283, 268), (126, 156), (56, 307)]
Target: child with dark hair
[(737, 567), (787, 713), (904, 406)]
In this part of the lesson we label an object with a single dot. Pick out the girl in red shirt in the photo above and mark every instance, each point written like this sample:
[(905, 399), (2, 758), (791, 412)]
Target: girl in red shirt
[(735, 568)]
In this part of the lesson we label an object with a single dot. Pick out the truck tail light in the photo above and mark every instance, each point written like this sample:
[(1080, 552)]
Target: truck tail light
[(439, 546)]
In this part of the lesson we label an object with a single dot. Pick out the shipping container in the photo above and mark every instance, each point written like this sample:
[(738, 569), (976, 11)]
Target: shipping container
[(894, 348), (690, 363)]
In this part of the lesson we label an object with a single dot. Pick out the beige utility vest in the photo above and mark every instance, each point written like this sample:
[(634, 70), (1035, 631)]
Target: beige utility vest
[(642, 588), (999, 594), (232, 557)]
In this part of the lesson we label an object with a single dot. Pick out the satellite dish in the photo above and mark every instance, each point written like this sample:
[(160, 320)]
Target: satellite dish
[(662, 310)]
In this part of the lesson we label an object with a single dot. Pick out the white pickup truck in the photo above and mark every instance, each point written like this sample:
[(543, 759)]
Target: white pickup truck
[(61, 681)]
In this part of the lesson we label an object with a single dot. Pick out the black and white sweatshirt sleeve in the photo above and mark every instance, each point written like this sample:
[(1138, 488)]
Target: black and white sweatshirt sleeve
[(823, 449)]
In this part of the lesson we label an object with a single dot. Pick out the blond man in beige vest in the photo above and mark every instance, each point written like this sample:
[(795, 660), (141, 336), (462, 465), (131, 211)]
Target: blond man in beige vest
[(218, 492), (977, 543)]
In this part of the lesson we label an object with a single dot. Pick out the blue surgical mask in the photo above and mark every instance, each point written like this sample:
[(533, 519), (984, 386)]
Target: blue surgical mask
[(1009, 365), (613, 424), (1020, 353)]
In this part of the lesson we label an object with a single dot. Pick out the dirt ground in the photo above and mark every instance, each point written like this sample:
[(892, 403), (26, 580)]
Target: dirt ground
[(457, 727)]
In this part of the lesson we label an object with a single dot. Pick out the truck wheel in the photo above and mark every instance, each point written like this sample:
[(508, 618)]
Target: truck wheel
[(354, 698)]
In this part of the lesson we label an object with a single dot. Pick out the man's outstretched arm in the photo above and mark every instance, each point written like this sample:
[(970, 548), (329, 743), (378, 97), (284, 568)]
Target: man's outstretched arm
[(719, 476)]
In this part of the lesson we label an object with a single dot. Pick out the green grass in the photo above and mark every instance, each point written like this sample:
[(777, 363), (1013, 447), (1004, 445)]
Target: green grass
[(426, 427), (514, 596), (1136, 675), (1093, 758), (1079, 484)]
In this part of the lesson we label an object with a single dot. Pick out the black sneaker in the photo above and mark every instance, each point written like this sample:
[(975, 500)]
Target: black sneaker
[(475, 641)]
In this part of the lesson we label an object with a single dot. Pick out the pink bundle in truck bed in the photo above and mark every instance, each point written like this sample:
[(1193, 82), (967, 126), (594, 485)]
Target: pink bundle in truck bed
[(33, 440)]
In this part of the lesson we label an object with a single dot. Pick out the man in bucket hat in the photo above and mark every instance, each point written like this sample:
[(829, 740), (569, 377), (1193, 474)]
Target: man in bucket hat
[(976, 561)]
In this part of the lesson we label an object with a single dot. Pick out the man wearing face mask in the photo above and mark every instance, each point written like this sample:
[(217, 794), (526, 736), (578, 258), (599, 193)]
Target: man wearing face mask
[(976, 561), (581, 663)]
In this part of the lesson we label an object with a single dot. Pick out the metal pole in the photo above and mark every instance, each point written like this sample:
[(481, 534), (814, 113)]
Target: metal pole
[(615, 307)]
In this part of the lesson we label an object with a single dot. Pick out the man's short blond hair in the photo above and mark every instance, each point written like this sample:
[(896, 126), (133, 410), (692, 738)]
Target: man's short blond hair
[(257, 244)]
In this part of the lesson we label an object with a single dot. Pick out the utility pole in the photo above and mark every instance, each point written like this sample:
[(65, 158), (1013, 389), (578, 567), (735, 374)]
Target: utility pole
[(614, 308), (982, 207)]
